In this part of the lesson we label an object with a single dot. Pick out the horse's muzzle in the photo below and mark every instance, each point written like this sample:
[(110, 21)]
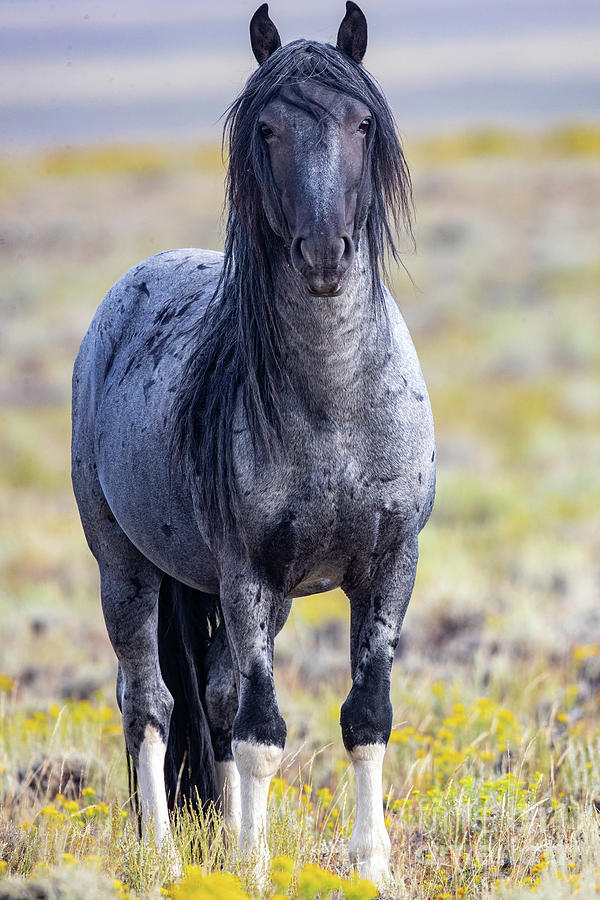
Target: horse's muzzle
[(323, 265)]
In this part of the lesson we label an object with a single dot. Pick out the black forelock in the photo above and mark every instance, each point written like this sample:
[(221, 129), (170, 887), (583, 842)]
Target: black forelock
[(285, 71), (238, 342)]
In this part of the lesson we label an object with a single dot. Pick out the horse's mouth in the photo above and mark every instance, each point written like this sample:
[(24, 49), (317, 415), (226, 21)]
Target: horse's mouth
[(334, 292), (325, 284)]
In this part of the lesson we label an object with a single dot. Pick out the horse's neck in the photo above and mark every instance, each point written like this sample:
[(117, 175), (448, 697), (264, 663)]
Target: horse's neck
[(334, 345)]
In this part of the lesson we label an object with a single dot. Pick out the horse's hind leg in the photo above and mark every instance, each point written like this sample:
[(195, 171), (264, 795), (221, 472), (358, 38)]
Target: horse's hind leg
[(378, 606), (129, 591), (130, 585), (221, 699)]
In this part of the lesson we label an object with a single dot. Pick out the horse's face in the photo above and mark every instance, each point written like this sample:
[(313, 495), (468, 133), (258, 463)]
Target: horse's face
[(317, 145), (316, 138)]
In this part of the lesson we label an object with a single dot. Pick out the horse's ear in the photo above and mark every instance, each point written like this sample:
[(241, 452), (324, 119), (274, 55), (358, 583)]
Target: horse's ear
[(264, 37), (352, 36)]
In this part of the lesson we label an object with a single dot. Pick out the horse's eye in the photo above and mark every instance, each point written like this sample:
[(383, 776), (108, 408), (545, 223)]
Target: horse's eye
[(364, 126), (265, 130)]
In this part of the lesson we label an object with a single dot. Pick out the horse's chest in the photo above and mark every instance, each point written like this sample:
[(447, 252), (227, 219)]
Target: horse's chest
[(322, 509)]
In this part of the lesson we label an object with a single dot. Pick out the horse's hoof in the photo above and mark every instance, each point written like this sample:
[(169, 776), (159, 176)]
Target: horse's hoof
[(257, 869), (175, 869), (377, 870), (175, 864)]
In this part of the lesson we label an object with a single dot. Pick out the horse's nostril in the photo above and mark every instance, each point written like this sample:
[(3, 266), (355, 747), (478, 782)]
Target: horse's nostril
[(322, 263), (307, 252), (296, 254), (348, 250)]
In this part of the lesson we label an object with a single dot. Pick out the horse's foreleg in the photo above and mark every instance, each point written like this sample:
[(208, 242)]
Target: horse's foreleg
[(130, 605), (259, 732), (378, 607)]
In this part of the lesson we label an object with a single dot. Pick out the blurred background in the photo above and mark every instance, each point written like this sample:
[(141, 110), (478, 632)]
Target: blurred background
[(109, 135), (77, 72)]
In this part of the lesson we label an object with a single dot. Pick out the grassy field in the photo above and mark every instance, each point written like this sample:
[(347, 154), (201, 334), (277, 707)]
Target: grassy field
[(494, 761)]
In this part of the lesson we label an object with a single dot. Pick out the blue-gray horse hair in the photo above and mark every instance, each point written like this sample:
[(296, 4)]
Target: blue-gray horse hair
[(238, 343)]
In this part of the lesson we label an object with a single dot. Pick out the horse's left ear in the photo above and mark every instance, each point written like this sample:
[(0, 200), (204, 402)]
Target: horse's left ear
[(264, 37), (352, 36)]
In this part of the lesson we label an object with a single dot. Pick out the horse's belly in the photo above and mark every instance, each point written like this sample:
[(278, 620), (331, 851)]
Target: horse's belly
[(151, 507)]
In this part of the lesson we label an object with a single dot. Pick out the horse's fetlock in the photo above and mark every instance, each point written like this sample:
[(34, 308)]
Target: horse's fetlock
[(269, 729), (365, 719), (256, 760)]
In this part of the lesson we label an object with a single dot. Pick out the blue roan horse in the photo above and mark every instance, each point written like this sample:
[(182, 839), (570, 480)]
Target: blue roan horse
[(253, 426)]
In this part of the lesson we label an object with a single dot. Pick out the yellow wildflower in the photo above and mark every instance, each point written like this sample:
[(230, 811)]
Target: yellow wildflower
[(197, 886)]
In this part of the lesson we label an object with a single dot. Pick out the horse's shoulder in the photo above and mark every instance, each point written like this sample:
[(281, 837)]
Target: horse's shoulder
[(401, 337), (403, 417)]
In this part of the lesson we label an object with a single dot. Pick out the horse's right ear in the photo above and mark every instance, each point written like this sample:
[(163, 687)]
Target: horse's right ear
[(264, 37)]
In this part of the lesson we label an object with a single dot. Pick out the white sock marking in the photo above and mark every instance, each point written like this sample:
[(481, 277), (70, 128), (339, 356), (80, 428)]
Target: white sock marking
[(256, 763), (153, 796), (228, 780), (369, 844)]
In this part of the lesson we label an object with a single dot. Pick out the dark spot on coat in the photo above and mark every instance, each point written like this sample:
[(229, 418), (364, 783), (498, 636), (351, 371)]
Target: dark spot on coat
[(147, 385), (201, 267), (433, 456), (129, 367), (143, 287), (418, 396), (109, 363), (183, 309), (420, 478), (164, 316)]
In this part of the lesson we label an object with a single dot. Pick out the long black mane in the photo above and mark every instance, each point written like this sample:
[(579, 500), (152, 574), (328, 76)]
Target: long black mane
[(238, 343)]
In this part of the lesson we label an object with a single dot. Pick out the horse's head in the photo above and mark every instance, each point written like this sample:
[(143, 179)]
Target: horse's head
[(317, 141), (315, 161)]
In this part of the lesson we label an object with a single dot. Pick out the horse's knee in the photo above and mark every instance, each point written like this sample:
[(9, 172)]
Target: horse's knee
[(366, 717)]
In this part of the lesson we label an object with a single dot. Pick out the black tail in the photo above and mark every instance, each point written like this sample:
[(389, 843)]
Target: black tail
[(186, 620)]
